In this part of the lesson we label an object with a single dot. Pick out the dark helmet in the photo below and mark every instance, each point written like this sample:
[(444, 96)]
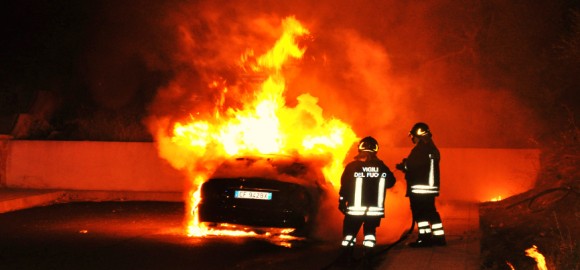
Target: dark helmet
[(368, 144), (420, 130)]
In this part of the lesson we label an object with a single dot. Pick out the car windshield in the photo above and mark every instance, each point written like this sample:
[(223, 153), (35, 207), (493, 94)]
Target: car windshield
[(275, 167)]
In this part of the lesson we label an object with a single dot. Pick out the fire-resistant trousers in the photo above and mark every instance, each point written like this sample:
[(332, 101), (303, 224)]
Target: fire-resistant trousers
[(351, 225), (426, 215)]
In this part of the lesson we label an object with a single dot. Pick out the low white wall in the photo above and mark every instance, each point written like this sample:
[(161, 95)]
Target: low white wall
[(467, 173), (479, 174), (89, 166)]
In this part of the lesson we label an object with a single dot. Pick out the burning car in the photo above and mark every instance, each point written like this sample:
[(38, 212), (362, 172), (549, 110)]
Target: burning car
[(262, 193)]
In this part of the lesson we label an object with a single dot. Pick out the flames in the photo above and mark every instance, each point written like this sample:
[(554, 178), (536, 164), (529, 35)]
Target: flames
[(537, 256), (263, 124)]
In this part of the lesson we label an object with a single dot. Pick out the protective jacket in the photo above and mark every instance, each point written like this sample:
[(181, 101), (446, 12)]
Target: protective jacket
[(422, 170), (363, 187)]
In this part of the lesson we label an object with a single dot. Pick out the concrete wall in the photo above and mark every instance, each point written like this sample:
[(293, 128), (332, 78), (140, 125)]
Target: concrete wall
[(4, 145), (89, 166), (479, 174), (467, 173)]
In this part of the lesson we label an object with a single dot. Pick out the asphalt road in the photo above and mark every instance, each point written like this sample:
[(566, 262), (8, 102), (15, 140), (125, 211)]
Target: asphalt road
[(136, 235)]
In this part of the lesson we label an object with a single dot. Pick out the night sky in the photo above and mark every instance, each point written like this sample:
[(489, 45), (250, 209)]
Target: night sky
[(483, 74)]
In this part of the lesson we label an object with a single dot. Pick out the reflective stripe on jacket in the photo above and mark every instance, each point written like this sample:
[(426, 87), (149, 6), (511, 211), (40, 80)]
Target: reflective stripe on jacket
[(364, 186), (422, 170)]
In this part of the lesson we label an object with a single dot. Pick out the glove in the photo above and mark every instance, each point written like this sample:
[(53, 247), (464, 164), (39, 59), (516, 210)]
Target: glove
[(342, 207), (401, 166)]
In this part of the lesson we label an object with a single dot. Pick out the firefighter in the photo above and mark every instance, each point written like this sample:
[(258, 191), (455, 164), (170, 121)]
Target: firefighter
[(421, 170), (364, 184)]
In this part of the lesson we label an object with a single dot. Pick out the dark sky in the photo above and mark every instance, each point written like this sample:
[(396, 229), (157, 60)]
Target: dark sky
[(486, 73)]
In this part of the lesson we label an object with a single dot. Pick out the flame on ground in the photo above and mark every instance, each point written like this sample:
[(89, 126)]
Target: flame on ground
[(264, 124), (537, 256), (510, 265)]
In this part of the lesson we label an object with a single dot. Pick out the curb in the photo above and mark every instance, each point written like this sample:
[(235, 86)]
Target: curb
[(18, 199)]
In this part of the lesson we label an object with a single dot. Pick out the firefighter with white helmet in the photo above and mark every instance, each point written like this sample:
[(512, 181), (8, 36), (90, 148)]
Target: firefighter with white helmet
[(421, 170), (364, 184)]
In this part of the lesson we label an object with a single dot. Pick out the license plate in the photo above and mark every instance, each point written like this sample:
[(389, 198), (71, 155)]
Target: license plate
[(256, 195)]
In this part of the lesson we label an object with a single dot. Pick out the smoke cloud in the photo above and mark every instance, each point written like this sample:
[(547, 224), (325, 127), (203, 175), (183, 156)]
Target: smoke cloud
[(470, 70), (380, 66)]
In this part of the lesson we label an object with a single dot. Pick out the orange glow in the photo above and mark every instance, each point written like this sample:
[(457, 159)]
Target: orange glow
[(510, 265), (496, 199), (536, 255), (278, 236), (264, 125)]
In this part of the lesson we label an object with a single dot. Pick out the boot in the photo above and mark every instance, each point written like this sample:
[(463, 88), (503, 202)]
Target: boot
[(424, 238), (422, 241), (438, 233)]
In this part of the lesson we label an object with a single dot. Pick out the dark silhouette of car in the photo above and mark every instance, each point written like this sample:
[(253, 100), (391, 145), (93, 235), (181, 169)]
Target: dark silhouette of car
[(263, 192)]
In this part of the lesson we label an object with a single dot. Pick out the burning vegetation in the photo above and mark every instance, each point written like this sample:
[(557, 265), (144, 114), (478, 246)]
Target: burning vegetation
[(538, 229)]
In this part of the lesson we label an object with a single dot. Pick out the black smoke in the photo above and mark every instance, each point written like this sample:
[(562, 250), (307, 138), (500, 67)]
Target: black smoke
[(482, 74)]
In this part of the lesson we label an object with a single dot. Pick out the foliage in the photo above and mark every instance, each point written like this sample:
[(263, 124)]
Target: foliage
[(102, 125), (546, 216)]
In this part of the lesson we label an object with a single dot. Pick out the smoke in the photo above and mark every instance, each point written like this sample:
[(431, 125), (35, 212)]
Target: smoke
[(380, 67), (467, 69)]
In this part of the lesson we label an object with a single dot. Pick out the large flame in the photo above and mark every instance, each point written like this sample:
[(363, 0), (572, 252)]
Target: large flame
[(264, 124)]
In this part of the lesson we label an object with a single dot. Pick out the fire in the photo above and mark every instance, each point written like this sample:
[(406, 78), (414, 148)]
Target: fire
[(536, 255), (264, 124), (194, 227), (510, 265), (496, 199)]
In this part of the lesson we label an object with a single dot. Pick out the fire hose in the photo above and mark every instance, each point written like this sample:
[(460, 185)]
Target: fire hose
[(534, 200), (368, 257)]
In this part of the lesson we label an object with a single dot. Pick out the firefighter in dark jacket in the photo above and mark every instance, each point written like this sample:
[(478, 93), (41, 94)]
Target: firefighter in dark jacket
[(364, 185), (421, 170)]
